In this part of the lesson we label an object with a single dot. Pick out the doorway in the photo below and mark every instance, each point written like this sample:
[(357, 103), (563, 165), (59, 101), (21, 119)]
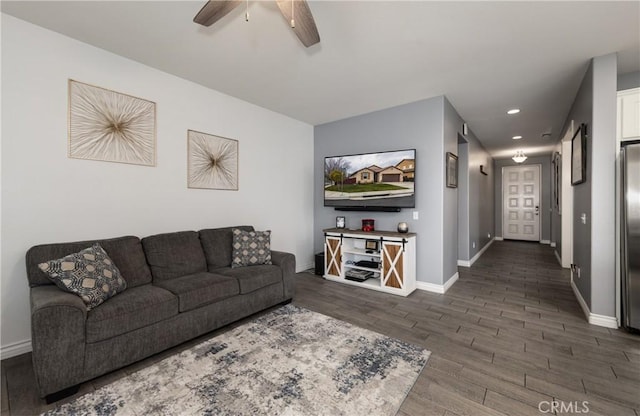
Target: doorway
[(521, 202)]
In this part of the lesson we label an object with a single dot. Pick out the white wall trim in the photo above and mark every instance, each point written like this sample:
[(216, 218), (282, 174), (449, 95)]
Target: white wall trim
[(545, 242), (17, 348), (301, 268), (594, 318), (469, 263), (435, 288), (558, 257), (497, 238)]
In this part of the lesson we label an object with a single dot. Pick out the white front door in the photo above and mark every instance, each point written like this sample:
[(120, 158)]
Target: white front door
[(521, 202)]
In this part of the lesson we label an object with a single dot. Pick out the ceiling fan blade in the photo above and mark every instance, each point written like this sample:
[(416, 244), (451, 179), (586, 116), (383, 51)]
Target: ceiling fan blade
[(214, 11), (305, 27)]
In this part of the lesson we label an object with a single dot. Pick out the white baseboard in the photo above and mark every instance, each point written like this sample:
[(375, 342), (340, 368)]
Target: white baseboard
[(553, 244), (17, 348), (451, 281), (469, 263), (497, 238), (558, 257), (441, 289), (545, 242), (593, 318)]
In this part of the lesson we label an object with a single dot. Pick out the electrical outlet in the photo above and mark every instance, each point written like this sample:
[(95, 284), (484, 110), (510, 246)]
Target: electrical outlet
[(575, 270), (473, 244), (415, 215), (489, 235)]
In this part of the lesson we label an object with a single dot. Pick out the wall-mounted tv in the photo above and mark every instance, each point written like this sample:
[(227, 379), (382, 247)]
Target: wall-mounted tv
[(383, 181)]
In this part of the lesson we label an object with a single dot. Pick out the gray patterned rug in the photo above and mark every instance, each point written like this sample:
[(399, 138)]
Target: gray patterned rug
[(288, 362)]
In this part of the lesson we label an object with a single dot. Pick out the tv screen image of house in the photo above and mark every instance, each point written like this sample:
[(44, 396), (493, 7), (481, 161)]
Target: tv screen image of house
[(370, 180)]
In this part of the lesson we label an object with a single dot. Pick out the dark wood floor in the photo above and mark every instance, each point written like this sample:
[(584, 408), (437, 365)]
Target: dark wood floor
[(508, 337)]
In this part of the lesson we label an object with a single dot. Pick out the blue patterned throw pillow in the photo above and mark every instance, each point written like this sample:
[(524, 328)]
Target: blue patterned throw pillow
[(89, 273), (250, 248)]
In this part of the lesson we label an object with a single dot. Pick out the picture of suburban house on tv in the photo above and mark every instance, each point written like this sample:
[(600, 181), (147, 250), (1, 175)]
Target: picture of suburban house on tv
[(370, 180)]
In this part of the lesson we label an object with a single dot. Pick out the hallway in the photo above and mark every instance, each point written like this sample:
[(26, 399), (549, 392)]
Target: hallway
[(509, 336)]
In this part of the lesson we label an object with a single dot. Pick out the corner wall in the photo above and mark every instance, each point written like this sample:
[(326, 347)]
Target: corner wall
[(594, 242), (475, 197), (48, 197), (417, 126)]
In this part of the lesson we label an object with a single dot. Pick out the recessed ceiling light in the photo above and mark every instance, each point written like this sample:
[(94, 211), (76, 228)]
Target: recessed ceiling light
[(513, 111), (517, 137)]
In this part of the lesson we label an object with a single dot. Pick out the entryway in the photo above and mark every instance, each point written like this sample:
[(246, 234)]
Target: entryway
[(521, 202)]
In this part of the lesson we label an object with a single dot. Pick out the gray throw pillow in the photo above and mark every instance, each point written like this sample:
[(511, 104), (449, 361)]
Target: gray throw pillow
[(89, 273), (250, 248)]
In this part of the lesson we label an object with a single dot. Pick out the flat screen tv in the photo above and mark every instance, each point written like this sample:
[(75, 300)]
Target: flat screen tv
[(382, 181)]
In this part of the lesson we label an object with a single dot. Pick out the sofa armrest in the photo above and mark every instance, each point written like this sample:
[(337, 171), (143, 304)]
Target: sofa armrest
[(58, 338), (287, 262)]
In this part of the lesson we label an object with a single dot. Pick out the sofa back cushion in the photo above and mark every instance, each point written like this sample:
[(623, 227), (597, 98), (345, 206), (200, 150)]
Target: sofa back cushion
[(126, 253), (174, 255), (218, 245)]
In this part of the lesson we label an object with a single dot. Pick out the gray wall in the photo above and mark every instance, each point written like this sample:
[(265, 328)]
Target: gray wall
[(595, 105), (481, 197), (463, 199), (581, 112), (475, 190), (452, 127), (417, 126), (628, 81), (545, 193), (603, 206), (556, 218)]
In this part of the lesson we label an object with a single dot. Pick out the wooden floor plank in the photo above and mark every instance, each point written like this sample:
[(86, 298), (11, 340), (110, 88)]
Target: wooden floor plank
[(508, 335)]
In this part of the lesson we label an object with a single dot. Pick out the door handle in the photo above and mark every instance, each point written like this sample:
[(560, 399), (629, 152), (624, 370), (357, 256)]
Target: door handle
[(537, 209)]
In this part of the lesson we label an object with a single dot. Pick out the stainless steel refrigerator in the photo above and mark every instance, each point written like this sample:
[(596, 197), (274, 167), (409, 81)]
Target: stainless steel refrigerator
[(630, 235)]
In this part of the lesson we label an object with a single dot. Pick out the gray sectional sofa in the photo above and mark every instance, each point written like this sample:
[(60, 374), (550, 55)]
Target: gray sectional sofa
[(179, 286)]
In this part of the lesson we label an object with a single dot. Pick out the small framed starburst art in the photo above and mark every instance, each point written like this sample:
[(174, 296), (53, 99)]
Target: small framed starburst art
[(110, 126), (212, 161)]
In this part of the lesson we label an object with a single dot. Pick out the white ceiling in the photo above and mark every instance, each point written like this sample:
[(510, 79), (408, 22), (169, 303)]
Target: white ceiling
[(486, 57)]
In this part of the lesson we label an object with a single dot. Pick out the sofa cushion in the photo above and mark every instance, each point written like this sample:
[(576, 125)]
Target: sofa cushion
[(126, 253), (250, 248), (217, 243), (253, 278), (132, 309), (89, 273), (200, 289), (174, 255)]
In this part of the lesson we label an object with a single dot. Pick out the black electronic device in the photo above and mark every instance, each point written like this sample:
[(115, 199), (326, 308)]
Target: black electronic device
[(358, 275), (369, 264)]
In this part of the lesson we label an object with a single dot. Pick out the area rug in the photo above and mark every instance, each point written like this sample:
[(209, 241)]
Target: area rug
[(290, 361)]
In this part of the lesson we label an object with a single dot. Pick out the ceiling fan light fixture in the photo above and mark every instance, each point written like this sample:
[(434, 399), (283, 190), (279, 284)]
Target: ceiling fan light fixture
[(513, 111), (519, 157)]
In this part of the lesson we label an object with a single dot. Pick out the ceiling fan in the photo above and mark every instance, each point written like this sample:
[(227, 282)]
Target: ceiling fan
[(295, 11)]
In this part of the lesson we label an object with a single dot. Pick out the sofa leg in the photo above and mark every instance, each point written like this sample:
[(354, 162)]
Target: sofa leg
[(59, 395)]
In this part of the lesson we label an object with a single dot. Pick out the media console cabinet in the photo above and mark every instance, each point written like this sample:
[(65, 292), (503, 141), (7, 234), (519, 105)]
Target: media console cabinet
[(379, 260)]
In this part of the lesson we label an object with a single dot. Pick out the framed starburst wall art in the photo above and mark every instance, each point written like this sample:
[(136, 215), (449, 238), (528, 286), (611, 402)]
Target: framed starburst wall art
[(110, 126), (212, 161)]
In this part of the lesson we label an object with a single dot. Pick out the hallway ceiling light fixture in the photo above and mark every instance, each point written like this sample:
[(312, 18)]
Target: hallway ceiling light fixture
[(513, 111), (519, 157), (517, 137)]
